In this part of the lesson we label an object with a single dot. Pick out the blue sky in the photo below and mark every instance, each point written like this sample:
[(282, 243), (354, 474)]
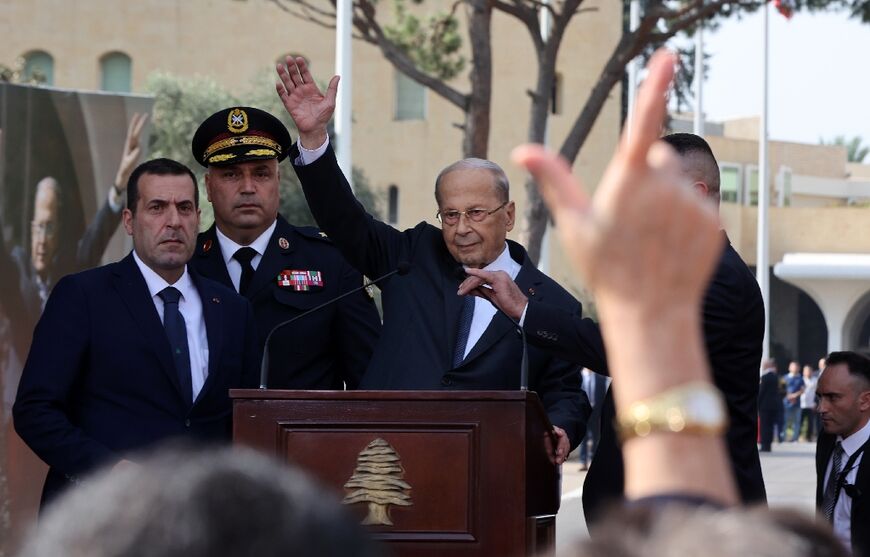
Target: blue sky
[(819, 75)]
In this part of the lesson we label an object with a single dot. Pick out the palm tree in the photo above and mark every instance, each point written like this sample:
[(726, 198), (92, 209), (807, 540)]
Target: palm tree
[(855, 150)]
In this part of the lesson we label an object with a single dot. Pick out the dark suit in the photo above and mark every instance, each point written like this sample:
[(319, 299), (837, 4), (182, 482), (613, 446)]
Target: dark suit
[(324, 350), (100, 382), (769, 407), (733, 321), (860, 517), (421, 309)]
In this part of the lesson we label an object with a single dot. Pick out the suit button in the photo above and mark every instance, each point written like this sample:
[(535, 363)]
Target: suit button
[(187, 422)]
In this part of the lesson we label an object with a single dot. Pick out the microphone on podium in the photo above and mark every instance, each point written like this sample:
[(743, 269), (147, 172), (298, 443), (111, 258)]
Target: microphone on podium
[(524, 363), (401, 269)]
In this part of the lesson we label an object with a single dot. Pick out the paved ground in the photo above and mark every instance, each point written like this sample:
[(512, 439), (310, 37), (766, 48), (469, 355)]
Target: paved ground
[(789, 476)]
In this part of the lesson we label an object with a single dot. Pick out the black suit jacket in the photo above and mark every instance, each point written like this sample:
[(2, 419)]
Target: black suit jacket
[(100, 382), (421, 309), (733, 332), (860, 518), (325, 350), (769, 397)]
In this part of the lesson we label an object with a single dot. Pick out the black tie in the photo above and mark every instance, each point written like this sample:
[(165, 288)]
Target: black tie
[(829, 498), (176, 332), (244, 256), (462, 329)]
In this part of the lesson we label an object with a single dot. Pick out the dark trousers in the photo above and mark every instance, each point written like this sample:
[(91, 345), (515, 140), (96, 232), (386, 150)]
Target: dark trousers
[(593, 433), (768, 419), (808, 415)]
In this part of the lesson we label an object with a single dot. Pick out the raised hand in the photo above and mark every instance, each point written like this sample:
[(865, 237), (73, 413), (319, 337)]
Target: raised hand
[(645, 242), (310, 109), (132, 151)]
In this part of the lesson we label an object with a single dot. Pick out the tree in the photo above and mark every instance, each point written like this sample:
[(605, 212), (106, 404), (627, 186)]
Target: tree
[(426, 50), (856, 151), (377, 480), (181, 104)]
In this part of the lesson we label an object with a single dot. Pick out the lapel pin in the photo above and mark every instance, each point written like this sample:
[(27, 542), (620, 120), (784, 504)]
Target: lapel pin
[(216, 300), (531, 291), (206, 246), (283, 243)]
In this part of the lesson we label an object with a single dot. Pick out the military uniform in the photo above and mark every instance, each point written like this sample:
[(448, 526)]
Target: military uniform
[(298, 269)]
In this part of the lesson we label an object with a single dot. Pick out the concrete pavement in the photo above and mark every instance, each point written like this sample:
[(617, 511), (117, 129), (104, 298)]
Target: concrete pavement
[(789, 476)]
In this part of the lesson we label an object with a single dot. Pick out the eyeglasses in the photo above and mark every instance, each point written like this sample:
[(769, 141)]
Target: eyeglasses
[(477, 215), (43, 229)]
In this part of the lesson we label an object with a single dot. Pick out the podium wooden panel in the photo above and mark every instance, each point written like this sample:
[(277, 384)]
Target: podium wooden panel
[(474, 466)]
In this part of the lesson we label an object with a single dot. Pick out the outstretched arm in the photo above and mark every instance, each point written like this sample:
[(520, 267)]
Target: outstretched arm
[(646, 247), (310, 108)]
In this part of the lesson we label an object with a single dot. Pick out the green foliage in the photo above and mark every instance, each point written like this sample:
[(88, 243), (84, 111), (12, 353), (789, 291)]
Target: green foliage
[(182, 103), (15, 74), (433, 45), (856, 151)]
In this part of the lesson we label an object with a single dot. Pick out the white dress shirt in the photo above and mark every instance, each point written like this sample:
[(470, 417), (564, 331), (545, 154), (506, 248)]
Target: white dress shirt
[(484, 311), (843, 509), (229, 249), (190, 306)]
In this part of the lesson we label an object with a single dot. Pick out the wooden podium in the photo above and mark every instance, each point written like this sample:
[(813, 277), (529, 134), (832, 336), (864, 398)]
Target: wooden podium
[(446, 473)]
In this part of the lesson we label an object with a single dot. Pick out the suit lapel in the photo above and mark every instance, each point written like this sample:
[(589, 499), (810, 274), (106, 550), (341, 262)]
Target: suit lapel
[(452, 305), (824, 448), (212, 314), (133, 291), (211, 259), (500, 324)]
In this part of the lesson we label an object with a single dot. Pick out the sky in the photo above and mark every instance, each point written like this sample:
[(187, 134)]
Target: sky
[(819, 85)]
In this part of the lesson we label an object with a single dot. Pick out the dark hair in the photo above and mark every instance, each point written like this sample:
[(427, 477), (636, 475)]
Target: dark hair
[(856, 363), (686, 144), (157, 167)]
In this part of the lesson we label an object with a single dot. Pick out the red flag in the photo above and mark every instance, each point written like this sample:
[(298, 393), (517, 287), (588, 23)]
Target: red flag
[(785, 7)]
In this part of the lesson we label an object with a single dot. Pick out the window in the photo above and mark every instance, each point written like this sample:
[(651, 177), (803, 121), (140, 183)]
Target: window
[(39, 66), (116, 73), (783, 187), (410, 98), (556, 95), (729, 183), (750, 197), (393, 204)]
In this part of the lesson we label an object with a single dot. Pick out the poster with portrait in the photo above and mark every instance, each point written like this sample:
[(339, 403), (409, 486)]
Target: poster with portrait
[(60, 152)]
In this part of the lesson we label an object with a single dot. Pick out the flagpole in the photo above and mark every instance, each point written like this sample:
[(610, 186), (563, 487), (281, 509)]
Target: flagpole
[(544, 257), (699, 80), (344, 102), (762, 264), (633, 24)]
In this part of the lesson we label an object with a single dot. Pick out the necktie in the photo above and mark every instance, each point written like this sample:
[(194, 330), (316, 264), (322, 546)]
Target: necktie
[(829, 499), (176, 332), (244, 256), (462, 329)]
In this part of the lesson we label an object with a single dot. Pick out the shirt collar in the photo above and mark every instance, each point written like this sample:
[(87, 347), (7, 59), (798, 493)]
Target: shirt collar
[(156, 283), (853, 442), (229, 247), (504, 262)]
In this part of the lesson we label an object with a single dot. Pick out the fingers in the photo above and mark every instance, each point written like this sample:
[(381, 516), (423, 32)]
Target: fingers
[(284, 85), (557, 185), (470, 284), (650, 108), (332, 89)]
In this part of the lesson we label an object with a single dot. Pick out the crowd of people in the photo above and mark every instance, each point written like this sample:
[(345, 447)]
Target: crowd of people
[(135, 353)]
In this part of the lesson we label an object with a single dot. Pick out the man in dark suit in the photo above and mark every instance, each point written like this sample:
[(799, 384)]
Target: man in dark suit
[(842, 471), (282, 269), (769, 403), (733, 332), (433, 338), (104, 376)]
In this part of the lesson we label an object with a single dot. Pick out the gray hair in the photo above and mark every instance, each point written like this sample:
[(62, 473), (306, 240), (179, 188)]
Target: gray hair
[(204, 503), (500, 179)]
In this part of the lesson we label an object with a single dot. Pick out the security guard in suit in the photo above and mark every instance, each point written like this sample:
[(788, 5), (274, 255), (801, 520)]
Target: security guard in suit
[(282, 269)]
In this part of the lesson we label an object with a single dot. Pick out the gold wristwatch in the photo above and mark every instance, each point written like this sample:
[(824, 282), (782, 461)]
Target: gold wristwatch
[(695, 408)]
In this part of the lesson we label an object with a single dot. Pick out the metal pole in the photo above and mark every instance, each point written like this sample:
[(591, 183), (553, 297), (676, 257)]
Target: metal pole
[(762, 265), (699, 80), (544, 258), (344, 102), (633, 24)]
